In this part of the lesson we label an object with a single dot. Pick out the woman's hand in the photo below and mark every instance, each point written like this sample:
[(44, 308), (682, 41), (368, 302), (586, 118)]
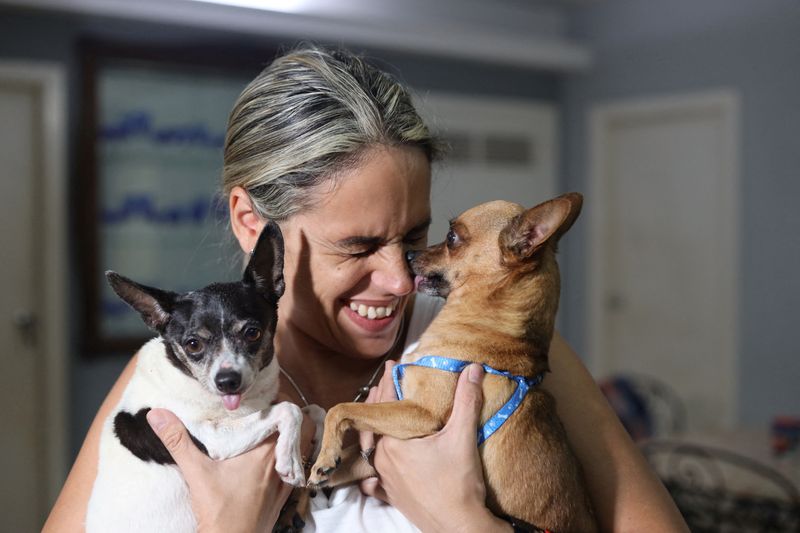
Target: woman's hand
[(435, 481), (240, 494)]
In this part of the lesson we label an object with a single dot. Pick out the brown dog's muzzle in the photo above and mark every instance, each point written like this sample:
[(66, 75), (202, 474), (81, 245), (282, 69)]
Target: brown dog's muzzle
[(428, 280)]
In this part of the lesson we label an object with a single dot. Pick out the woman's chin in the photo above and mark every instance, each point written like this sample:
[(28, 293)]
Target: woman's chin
[(372, 348), (370, 344)]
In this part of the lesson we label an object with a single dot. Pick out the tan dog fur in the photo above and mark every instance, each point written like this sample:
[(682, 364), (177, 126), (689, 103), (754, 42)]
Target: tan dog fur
[(502, 284)]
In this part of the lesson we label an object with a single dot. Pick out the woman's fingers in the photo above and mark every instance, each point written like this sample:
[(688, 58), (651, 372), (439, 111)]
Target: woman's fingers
[(366, 439), (386, 392), (461, 426), (171, 431), (383, 392), (242, 493), (438, 477), (372, 487), (468, 400)]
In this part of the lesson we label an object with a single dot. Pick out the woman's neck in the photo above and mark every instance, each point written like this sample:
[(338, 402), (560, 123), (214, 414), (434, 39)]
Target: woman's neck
[(325, 377)]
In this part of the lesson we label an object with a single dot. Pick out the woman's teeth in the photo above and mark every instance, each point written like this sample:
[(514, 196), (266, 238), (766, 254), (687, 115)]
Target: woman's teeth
[(370, 312)]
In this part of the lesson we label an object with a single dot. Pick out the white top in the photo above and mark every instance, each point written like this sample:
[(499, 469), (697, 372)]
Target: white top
[(348, 509)]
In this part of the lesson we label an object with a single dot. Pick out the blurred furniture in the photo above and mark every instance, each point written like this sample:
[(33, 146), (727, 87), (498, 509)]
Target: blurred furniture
[(645, 405), (719, 490)]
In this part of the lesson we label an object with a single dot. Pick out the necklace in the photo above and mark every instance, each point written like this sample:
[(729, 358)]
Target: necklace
[(363, 390)]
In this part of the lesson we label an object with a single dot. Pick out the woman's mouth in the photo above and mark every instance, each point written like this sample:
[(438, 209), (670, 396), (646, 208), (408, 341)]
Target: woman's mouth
[(372, 316), (373, 312)]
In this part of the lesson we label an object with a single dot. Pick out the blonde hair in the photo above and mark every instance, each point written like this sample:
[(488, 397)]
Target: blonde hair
[(309, 115)]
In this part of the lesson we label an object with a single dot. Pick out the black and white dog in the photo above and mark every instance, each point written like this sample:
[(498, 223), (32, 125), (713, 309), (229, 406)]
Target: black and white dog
[(213, 365)]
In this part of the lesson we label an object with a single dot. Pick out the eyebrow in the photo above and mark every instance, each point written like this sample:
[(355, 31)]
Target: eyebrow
[(368, 241), (422, 226), (359, 241)]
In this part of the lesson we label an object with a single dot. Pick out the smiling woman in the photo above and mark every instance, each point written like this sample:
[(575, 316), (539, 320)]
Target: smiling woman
[(333, 151), (345, 169), (356, 261)]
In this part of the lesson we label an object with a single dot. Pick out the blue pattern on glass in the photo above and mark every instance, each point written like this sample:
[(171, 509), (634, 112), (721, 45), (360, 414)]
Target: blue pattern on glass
[(456, 366), (139, 123), (146, 207)]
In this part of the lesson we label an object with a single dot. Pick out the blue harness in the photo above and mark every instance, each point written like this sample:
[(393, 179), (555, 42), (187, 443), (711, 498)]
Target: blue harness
[(456, 365)]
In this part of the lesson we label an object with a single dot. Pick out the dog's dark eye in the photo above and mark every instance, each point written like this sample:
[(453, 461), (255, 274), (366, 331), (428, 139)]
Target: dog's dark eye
[(252, 334), (452, 239), (193, 346)]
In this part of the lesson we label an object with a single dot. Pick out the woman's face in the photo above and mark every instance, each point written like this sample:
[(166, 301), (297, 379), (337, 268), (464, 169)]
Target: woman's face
[(347, 283)]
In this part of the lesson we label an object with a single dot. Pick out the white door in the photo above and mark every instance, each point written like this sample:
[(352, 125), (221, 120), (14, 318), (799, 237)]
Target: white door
[(663, 259), (501, 149), (31, 318)]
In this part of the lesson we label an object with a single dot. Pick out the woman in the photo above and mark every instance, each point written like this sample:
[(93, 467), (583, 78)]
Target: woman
[(333, 150)]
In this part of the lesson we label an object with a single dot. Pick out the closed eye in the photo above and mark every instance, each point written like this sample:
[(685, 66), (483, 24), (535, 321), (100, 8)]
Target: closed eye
[(359, 246), (418, 234), (364, 246), (417, 239), (360, 255), (365, 253)]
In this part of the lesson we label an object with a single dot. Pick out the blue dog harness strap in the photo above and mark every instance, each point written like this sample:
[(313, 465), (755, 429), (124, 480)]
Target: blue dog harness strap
[(456, 366)]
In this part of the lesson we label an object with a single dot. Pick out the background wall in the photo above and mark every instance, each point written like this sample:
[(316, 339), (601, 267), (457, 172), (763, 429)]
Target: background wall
[(640, 48), (682, 46), (54, 37)]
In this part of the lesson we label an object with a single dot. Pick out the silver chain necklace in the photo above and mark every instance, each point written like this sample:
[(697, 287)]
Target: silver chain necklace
[(363, 391)]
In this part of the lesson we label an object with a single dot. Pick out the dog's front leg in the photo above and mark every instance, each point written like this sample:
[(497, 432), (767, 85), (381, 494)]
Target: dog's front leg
[(288, 458), (403, 419), (235, 436)]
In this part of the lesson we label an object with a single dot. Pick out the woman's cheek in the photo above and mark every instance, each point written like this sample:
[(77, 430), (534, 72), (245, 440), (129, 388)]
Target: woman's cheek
[(350, 276)]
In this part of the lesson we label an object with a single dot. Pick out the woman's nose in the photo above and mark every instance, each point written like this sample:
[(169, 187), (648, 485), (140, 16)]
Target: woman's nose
[(393, 275)]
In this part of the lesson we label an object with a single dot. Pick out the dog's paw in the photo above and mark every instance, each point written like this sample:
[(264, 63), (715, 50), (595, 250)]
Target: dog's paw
[(289, 467), (322, 469)]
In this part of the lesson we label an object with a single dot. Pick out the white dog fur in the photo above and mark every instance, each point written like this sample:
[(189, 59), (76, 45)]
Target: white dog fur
[(131, 495)]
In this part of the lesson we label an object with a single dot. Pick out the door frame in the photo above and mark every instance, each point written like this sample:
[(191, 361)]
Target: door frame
[(602, 118), (48, 80)]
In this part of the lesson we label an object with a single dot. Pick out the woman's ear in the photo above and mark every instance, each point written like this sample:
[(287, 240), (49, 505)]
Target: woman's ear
[(245, 222)]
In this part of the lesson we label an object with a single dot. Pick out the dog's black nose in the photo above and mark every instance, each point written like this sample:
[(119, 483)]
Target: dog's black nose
[(228, 381), (410, 255)]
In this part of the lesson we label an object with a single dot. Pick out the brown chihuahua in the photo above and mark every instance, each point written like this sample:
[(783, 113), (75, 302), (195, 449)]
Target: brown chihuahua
[(498, 271)]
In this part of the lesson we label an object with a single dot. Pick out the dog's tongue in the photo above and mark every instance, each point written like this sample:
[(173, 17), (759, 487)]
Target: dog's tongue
[(417, 280), (231, 401)]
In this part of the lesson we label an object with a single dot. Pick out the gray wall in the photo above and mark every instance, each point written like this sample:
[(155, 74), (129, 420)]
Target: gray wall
[(652, 48), (34, 35), (641, 48)]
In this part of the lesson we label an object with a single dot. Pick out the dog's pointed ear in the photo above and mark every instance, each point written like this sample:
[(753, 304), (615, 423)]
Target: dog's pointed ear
[(153, 304), (533, 228), (265, 268)]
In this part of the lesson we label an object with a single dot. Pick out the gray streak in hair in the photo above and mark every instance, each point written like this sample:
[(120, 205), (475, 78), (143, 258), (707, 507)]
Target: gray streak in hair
[(309, 115)]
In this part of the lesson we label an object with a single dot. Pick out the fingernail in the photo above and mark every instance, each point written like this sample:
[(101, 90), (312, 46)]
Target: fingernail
[(156, 419), (475, 373)]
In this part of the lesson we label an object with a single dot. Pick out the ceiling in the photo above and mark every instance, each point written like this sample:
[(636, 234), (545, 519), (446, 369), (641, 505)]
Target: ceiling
[(527, 34)]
